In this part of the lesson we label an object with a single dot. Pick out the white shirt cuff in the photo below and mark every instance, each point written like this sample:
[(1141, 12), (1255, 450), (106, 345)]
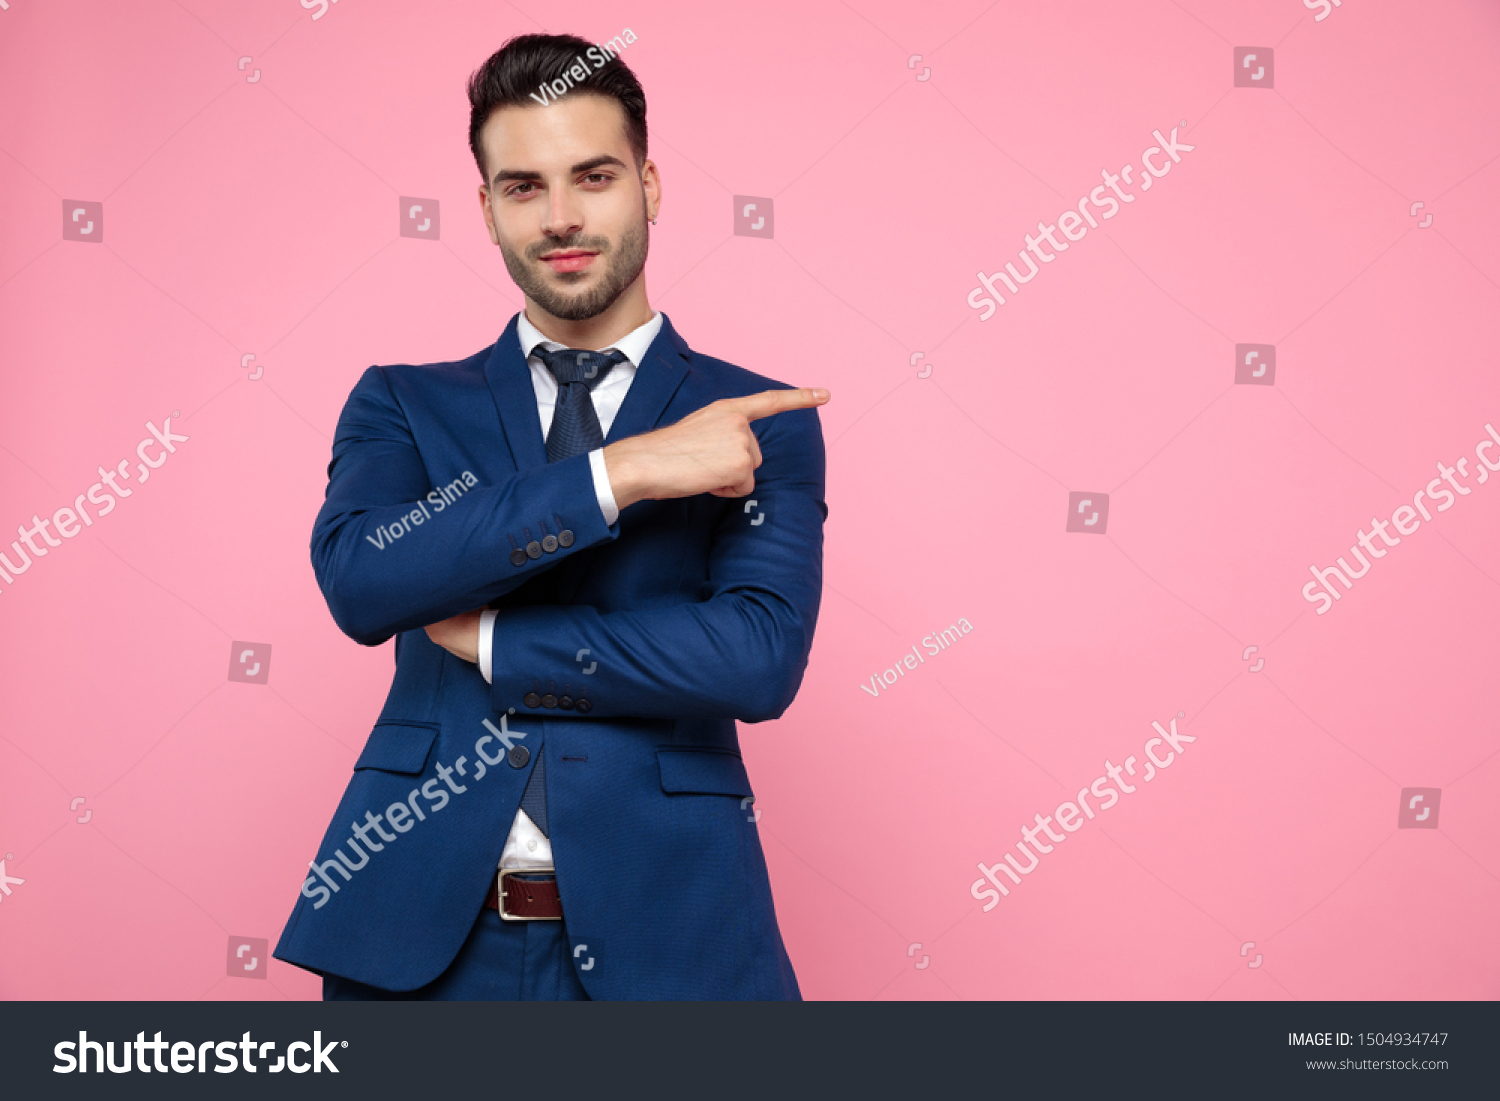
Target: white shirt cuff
[(602, 489), (486, 643)]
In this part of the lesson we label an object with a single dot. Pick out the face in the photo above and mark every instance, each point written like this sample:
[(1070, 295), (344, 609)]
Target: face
[(565, 203)]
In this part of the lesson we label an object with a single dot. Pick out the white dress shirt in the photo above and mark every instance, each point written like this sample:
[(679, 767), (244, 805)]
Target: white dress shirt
[(526, 847)]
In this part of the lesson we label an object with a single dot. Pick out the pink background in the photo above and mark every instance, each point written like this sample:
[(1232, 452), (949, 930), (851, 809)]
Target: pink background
[(261, 218)]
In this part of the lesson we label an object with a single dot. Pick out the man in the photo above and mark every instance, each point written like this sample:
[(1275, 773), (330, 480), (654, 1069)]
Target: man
[(596, 549)]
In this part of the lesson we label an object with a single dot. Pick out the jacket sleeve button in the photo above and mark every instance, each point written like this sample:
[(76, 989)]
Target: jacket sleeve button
[(531, 699)]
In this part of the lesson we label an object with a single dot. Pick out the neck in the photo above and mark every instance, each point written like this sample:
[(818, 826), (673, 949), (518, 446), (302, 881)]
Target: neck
[(626, 314)]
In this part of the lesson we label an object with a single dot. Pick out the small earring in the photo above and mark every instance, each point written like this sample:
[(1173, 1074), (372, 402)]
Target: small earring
[(653, 221)]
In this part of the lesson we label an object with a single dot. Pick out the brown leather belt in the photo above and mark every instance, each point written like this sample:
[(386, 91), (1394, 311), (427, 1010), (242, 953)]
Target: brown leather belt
[(533, 898)]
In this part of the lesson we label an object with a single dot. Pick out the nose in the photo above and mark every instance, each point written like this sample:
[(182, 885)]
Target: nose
[(564, 216)]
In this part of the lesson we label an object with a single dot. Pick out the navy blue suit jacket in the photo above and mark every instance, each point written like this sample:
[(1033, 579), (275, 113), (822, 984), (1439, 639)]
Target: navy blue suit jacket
[(682, 617)]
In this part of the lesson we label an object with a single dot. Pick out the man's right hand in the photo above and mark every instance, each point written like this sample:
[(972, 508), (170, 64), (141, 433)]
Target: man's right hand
[(711, 450)]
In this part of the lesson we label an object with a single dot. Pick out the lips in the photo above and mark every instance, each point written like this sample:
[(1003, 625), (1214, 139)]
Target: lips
[(569, 260)]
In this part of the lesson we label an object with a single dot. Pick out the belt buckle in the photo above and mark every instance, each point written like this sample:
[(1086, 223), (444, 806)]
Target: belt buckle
[(500, 890)]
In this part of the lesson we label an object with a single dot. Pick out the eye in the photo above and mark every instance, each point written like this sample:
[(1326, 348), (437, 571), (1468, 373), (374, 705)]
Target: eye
[(517, 189)]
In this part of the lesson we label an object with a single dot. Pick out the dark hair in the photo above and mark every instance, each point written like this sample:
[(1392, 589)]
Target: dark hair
[(514, 73)]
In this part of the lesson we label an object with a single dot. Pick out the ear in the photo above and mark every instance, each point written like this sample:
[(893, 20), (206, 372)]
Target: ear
[(651, 187), (489, 215)]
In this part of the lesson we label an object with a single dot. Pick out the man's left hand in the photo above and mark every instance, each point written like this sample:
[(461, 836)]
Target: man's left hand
[(458, 635)]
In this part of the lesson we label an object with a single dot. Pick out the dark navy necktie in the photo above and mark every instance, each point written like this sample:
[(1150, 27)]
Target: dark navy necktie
[(575, 426), (575, 431)]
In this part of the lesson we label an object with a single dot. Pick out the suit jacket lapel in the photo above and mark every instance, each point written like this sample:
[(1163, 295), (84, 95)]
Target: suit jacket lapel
[(509, 379), (663, 369)]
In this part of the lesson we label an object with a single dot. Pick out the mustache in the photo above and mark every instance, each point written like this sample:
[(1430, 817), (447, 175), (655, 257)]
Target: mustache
[(590, 244)]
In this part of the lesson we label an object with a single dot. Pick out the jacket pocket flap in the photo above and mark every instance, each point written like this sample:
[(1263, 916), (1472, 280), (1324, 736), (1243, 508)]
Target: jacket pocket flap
[(398, 747), (705, 771)]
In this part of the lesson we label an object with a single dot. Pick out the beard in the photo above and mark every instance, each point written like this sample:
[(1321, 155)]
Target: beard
[(622, 266)]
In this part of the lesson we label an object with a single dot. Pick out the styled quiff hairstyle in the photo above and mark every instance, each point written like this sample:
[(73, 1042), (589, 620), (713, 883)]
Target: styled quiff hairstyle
[(514, 74)]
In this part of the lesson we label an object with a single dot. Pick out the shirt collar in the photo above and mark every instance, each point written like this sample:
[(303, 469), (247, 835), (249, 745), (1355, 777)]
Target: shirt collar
[(633, 344)]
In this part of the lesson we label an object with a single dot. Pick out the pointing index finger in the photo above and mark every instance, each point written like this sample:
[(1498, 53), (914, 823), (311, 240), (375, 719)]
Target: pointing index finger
[(768, 402)]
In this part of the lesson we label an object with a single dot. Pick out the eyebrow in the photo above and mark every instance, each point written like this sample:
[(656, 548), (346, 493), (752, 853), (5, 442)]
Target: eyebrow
[(535, 177)]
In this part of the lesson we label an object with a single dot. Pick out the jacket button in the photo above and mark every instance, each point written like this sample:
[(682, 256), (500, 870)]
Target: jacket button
[(533, 549), (518, 756), (566, 703), (531, 699), (584, 706), (518, 557), (549, 700), (565, 537), (549, 543)]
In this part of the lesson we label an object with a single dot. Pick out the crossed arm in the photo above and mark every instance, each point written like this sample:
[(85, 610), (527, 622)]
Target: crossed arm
[(377, 586), (737, 651), (759, 603)]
